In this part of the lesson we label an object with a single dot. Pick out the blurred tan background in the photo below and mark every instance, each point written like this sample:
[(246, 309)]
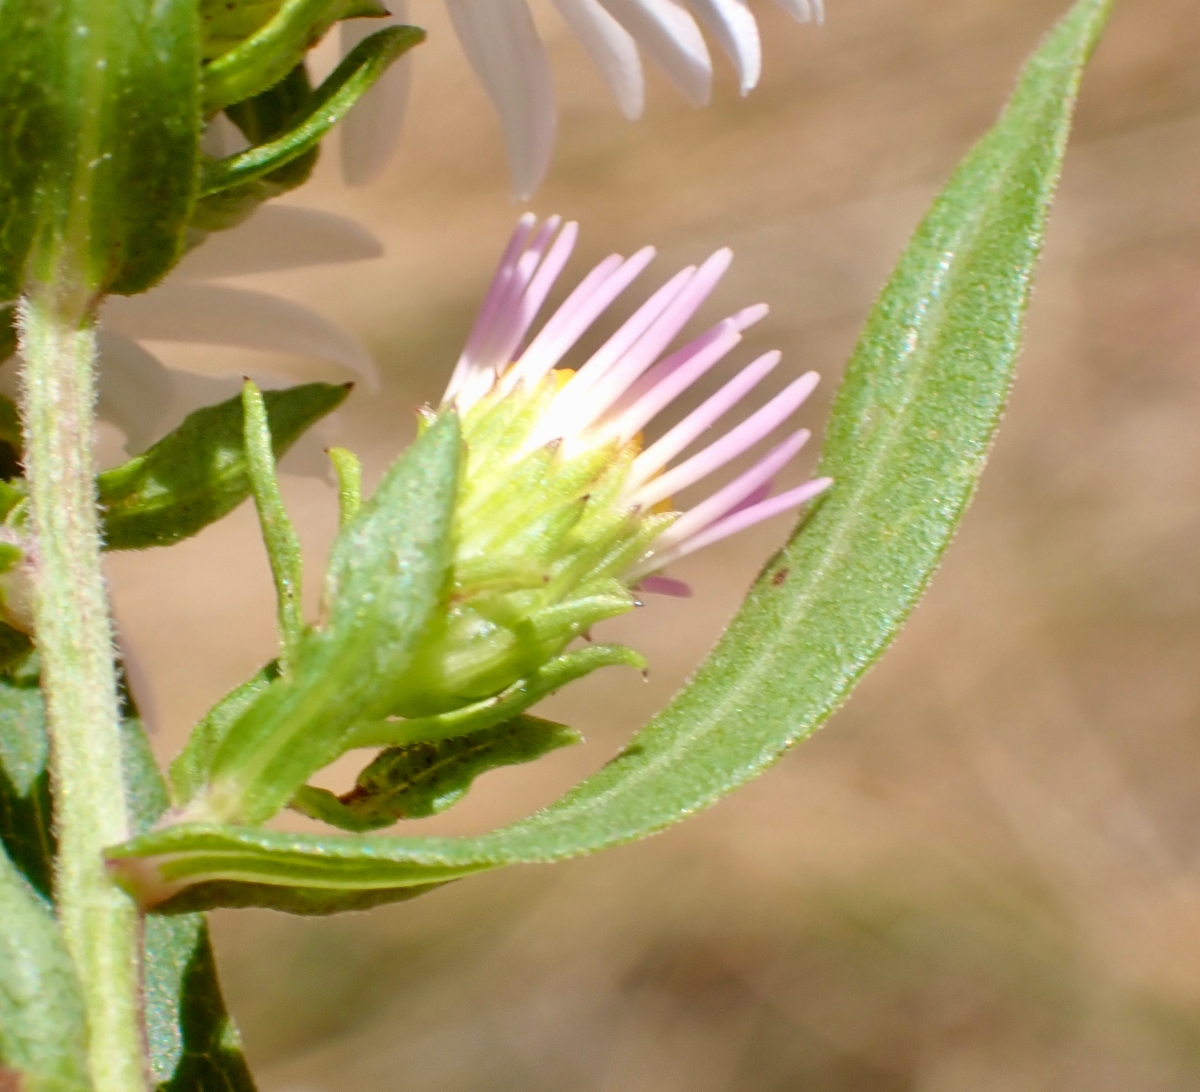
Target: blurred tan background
[(984, 873)]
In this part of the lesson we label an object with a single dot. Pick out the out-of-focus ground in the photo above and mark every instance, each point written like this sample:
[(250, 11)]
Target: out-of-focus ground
[(983, 873)]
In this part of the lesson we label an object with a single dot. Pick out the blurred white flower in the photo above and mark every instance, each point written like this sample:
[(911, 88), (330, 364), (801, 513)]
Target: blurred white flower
[(503, 47), (144, 399)]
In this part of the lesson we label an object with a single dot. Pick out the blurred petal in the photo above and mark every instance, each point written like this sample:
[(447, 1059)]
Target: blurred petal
[(503, 47), (732, 524), (371, 132), (804, 11), (734, 27), (279, 237), (135, 390), (221, 138), (665, 30), (665, 585), (209, 314), (612, 49)]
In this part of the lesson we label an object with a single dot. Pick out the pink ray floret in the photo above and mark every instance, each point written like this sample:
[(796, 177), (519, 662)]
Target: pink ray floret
[(628, 382)]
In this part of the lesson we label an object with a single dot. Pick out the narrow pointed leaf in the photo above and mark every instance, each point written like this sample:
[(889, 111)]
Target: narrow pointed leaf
[(262, 119), (274, 47), (324, 109), (907, 441), (279, 536)]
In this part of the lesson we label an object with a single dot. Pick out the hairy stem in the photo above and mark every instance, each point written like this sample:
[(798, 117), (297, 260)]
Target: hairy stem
[(75, 643)]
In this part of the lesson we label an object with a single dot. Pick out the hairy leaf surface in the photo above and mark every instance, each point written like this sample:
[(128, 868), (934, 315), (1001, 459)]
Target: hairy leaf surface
[(42, 1024)]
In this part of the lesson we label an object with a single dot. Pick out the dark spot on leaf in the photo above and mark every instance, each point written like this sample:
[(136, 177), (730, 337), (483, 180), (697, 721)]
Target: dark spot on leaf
[(780, 577)]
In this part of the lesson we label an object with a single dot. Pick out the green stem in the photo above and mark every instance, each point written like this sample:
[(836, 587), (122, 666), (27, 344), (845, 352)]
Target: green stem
[(75, 643)]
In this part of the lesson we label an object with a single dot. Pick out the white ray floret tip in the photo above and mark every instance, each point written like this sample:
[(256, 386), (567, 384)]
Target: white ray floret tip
[(504, 48)]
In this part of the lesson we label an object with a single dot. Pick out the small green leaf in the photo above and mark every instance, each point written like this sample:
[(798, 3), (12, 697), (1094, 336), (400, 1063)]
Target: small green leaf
[(199, 473), (907, 442), (99, 135), (194, 1046), (275, 47), (386, 571), (26, 826), (43, 1032), (362, 66), (421, 779), (279, 536)]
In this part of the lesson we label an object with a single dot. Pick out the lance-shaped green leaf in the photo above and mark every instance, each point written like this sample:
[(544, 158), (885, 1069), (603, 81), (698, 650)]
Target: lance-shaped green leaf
[(261, 119), (421, 779), (26, 826), (327, 105), (199, 473), (42, 1026), (99, 131), (386, 572), (275, 47), (907, 441)]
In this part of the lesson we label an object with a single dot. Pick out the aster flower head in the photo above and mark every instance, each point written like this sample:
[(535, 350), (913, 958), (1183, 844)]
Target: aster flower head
[(564, 515)]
